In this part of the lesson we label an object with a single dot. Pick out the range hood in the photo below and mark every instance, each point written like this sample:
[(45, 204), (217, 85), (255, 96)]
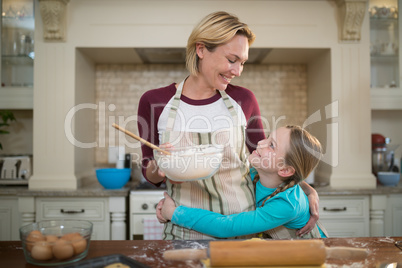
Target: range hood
[(178, 55), (154, 55)]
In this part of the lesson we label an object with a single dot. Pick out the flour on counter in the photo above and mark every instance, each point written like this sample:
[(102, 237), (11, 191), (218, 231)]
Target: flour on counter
[(354, 265), (386, 239)]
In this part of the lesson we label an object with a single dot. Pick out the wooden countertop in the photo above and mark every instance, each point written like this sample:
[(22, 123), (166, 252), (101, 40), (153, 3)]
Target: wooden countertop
[(381, 250)]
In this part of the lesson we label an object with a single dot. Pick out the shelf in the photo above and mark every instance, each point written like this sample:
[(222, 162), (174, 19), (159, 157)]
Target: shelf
[(385, 57), (16, 98), (16, 60), (26, 23), (377, 23), (386, 99)]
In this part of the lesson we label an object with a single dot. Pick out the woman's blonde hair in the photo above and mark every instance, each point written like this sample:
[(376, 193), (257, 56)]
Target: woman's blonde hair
[(303, 155), (214, 30)]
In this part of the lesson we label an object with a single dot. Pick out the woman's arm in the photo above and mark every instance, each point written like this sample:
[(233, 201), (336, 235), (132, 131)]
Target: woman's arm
[(153, 173), (314, 208)]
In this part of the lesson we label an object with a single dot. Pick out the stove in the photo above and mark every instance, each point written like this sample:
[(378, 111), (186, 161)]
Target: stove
[(143, 201)]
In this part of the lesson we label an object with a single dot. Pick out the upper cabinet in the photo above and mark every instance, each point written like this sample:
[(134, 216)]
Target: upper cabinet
[(17, 54), (385, 56)]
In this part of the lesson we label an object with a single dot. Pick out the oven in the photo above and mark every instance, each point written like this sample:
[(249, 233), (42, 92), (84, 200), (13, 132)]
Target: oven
[(143, 222)]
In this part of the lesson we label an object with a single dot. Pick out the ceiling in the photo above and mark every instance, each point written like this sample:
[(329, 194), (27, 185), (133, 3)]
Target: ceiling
[(177, 55)]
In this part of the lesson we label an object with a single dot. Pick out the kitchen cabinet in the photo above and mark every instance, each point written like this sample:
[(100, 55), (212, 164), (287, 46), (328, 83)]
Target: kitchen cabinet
[(17, 54), (91, 209), (9, 218), (393, 215), (345, 216), (385, 56), (108, 215)]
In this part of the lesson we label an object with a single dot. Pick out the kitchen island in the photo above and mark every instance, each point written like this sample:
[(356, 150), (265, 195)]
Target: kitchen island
[(381, 250)]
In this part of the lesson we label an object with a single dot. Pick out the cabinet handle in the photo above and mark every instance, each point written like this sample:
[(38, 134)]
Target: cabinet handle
[(335, 209), (72, 211)]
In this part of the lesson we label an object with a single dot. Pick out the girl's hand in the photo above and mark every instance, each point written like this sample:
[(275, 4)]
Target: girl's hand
[(314, 209), (168, 207), (159, 216)]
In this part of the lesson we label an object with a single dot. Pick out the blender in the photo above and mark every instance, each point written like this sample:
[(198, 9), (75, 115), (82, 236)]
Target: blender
[(382, 154)]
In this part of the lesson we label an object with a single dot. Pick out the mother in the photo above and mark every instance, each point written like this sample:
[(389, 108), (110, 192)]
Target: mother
[(205, 108)]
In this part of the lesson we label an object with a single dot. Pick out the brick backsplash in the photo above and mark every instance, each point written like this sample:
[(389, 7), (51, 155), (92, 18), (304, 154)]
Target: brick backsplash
[(281, 91)]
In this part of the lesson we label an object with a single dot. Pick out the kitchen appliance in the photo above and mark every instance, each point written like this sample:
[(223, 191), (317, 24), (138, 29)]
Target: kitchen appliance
[(143, 201), (382, 154), (142, 207), (15, 169)]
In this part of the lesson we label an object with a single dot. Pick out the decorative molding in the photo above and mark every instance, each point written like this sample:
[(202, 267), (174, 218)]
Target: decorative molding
[(351, 14), (53, 13)]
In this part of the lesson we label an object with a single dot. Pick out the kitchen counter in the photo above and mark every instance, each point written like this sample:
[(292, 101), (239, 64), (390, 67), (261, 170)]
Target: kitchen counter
[(381, 250), (380, 189), (93, 189)]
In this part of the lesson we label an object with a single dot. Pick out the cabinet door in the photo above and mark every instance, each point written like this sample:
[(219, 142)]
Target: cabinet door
[(17, 54), (393, 216), (95, 210), (384, 43), (9, 219), (345, 216)]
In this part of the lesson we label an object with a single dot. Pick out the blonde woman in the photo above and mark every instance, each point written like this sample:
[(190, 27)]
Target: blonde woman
[(282, 161), (203, 109)]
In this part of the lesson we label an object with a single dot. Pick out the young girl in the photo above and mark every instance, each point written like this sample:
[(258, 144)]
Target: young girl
[(280, 163)]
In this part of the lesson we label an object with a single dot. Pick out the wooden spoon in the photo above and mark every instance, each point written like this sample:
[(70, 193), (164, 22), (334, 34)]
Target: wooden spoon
[(147, 143)]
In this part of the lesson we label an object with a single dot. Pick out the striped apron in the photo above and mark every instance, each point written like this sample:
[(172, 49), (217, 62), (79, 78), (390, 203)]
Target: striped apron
[(281, 232), (230, 190)]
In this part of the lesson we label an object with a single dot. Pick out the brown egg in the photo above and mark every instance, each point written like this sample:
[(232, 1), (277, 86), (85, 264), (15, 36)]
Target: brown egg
[(70, 236), (33, 237), (79, 244), (77, 241), (51, 239), (63, 249), (41, 251)]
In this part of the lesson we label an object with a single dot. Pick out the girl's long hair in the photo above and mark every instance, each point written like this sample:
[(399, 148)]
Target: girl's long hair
[(304, 154)]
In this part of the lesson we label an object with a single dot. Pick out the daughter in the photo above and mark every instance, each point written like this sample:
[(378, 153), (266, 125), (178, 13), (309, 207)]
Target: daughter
[(280, 163)]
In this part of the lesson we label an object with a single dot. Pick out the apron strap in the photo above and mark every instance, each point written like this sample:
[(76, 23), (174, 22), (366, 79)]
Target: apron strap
[(229, 105), (176, 103), (174, 107)]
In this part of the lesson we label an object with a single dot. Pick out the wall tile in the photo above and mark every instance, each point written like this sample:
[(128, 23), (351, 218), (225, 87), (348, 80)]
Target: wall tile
[(281, 91)]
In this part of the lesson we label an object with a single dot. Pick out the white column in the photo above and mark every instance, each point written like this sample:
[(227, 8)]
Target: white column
[(26, 206), (117, 208)]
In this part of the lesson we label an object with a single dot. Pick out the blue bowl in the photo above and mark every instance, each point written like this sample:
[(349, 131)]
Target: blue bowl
[(389, 178), (113, 178)]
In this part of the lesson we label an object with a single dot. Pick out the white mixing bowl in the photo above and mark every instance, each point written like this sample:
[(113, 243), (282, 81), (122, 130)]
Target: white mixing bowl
[(190, 163)]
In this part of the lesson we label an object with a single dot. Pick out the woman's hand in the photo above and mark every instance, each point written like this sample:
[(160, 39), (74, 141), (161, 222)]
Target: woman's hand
[(154, 173), (314, 209)]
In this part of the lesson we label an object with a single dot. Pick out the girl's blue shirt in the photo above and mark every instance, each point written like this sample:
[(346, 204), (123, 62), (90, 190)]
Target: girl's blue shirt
[(289, 208)]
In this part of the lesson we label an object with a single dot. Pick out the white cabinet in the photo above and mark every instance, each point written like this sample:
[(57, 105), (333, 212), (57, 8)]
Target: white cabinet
[(393, 216), (345, 216), (385, 56), (9, 219), (94, 210), (17, 54), (108, 214)]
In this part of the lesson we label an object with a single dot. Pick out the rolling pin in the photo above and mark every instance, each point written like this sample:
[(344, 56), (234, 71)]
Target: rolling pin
[(266, 252)]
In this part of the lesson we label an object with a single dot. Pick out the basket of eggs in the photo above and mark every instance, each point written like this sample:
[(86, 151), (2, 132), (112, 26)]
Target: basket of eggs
[(56, 242)]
